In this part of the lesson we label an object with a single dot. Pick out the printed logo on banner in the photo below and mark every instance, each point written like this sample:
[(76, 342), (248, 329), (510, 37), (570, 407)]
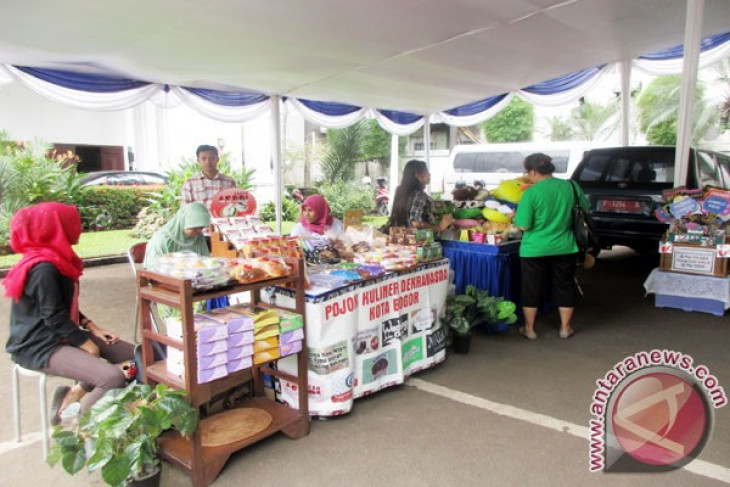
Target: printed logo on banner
[(435, 342), (412, 351), (366, 341), (326, 360), (422, 319), (395, 328), (379, 366)]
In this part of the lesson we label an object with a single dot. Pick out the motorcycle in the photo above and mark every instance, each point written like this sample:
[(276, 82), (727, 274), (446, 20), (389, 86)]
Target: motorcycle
[(382, 198)]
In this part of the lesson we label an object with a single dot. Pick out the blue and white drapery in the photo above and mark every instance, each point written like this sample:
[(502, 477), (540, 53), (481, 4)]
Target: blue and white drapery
[(97, 92), (669, 61)]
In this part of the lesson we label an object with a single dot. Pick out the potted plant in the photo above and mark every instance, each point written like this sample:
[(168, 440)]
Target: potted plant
[(475, 307), (118, 435)]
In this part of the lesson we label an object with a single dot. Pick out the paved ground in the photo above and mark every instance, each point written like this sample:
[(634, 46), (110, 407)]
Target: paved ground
[(512, 412)]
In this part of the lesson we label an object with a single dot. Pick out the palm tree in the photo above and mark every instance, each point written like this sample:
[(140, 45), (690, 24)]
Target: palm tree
[(344, 149), (659, 108), (560, 129), (593, 121)]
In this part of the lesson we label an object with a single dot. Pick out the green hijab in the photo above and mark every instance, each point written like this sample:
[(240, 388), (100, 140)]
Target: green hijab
[(171, 237)]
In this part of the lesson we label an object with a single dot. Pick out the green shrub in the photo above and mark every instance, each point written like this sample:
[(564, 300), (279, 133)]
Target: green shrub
[(112, 207), (347, 195), (289, 209), (33, 172)]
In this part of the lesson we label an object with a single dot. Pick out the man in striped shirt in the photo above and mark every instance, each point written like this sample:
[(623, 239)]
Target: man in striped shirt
[(204, 186)]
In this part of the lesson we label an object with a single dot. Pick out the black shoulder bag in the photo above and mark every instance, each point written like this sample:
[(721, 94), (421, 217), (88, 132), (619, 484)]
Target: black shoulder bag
[(583, 228)]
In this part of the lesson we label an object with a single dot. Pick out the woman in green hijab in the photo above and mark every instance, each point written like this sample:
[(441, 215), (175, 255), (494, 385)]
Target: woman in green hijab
[(183, 232)]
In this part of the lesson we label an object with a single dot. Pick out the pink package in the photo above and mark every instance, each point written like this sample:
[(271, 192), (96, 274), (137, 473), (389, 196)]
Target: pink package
[(239, 364), (290, 348), (240, 352), (240, 339), (291, 336)]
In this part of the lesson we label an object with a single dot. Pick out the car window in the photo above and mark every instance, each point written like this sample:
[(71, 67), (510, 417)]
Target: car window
[(465, 162), (560, 159), (151, 179), (637, 167), (709, 171)]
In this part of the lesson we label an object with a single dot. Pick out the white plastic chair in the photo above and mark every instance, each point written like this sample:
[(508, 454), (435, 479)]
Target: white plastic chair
[(45, 431)]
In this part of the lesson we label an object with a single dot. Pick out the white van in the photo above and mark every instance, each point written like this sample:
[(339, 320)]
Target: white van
[(493, 163)]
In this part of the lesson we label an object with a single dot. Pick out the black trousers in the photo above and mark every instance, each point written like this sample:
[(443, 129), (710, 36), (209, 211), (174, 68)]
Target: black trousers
[(559, 269)]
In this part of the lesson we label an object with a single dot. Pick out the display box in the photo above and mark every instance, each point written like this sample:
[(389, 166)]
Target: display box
[(291, 336), (206, 330), (236, 322), (236, 353), (239, 364), (443, 207), (702, 305), (692, 259), (266, 344), (410, 236), (430, 252)]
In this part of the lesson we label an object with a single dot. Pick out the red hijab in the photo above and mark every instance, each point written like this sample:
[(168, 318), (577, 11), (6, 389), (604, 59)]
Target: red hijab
[(322, 210), (45, 233)]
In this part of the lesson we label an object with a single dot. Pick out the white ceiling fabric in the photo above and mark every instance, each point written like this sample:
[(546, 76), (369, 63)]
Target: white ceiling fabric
[(417, 56)]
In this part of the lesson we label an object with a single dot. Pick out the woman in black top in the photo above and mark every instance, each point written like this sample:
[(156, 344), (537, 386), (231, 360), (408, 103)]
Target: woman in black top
[(48, 332), (412, 207)]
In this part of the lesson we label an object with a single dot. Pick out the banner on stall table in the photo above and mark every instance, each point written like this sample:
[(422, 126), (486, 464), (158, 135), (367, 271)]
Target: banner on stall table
[(370, 338)]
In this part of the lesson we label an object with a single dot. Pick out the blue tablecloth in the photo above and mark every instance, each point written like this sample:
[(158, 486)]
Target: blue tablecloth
[(494, 268)]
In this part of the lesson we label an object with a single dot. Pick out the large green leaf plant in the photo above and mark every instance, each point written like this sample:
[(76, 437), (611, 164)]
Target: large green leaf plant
[(465, 311), (118, 435)]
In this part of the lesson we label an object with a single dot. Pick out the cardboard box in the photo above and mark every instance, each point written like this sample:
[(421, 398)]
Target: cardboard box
[(266, 356), (692, 259), (206, 330), (266, 344), (240, 352), (236, 322), (291, 336)]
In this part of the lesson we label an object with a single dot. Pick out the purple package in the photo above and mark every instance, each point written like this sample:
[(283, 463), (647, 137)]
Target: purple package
[(208, 375), (291, 336), (290, 348), (236, 322), (240, 339), (240, 352), (210, 348), (212, 361), (239, 364)]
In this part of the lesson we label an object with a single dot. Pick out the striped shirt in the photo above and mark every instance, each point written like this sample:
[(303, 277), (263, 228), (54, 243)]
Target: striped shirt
[(200, 188)]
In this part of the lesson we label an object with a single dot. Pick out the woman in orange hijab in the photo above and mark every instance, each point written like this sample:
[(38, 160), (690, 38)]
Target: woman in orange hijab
[(48, 332)]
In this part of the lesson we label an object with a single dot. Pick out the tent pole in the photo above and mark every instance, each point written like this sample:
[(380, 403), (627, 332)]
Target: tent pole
[(625, 101), (690, 63), (276, 156), (427, 144), (394, 168)]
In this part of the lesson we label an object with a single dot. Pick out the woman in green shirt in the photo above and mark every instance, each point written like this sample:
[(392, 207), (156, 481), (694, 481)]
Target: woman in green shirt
[(548, 244)]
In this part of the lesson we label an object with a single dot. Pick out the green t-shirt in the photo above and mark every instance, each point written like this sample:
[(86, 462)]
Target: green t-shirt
[(545, 210)]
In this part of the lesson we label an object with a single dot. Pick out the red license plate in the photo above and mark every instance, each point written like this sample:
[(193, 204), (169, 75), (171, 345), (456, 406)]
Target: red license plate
[(619, 206)]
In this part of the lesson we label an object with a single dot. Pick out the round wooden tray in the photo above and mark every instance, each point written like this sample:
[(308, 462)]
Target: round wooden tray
[(233, 425)]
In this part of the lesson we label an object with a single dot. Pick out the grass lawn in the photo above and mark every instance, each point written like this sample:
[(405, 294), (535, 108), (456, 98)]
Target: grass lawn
[(117, 242)]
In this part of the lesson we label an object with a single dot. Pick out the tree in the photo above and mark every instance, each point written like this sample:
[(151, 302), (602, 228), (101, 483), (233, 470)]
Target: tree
[(344, 149), (515, 123), (376, 144), (560, 129), (659, 108), (593, 121)]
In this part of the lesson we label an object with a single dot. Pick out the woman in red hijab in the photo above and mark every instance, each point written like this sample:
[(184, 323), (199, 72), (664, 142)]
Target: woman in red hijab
[(316, 219), (48, 332)]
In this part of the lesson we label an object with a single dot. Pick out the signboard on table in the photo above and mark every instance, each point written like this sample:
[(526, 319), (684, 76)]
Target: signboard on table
[(370, 338), (694, 259), (233, 202)]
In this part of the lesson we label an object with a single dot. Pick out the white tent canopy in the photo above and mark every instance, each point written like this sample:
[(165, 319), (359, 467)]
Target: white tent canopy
[(420, 57)]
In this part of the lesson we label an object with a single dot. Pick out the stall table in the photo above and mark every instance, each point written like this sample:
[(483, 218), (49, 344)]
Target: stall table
[(368, 336), (492, 268), (682, 291)]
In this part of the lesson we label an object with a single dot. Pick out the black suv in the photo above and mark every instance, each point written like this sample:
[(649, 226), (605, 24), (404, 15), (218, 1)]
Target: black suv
[(624, 186)]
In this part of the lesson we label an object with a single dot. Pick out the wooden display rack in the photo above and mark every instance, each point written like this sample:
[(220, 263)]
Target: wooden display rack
[(204, 464)]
